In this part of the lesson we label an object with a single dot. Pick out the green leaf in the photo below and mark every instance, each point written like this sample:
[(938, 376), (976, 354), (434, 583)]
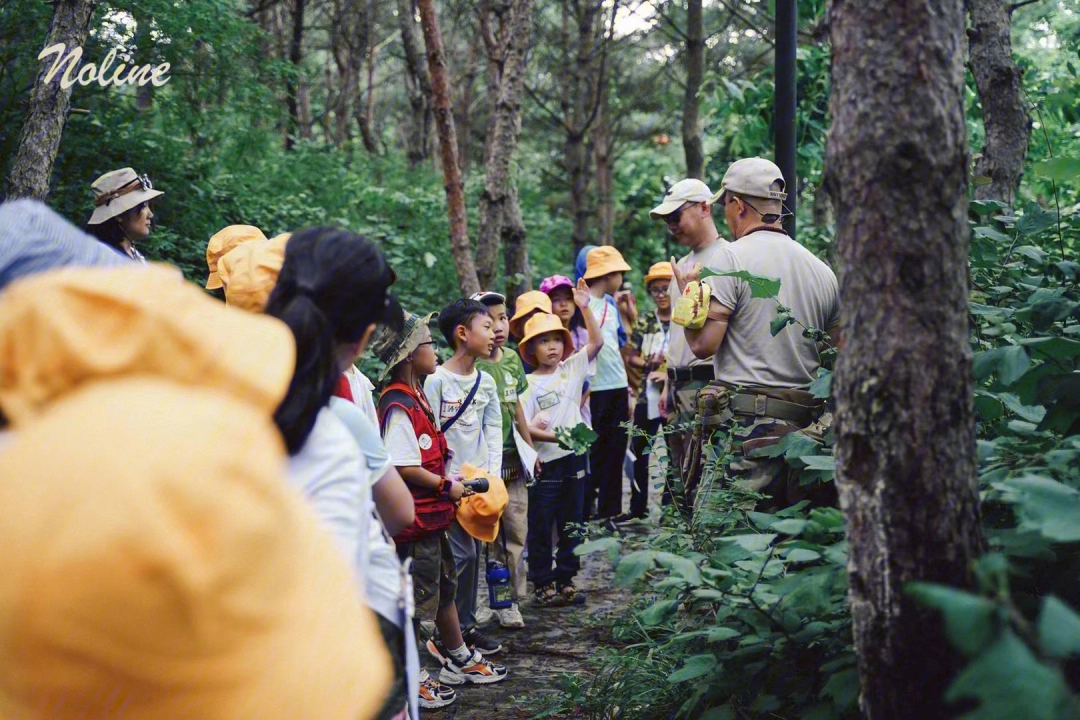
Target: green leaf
[(1055, 348), (821, 387), (1059, 629), (843, 688), (1014, 363), (754, 543), (578, 439), (780, 322), (598, 545), (760, 286), (991, 233), (724, 712), (1044, 505), (969, 619), (1031, 413), (683, 567), (1060, 169), (791, 446), (1010, 683), (1035, 219), (789, 526), (802, 555), (658, 612), (819, 462), (720, 634), (633, 567)]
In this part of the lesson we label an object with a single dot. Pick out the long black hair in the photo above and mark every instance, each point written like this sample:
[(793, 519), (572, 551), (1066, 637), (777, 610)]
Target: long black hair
[(110, 232), (332, 287)]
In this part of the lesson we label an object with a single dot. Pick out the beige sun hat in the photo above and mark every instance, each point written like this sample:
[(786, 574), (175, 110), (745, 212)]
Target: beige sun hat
[(222, 242), (602, 261), (117, 192), (392, 347)]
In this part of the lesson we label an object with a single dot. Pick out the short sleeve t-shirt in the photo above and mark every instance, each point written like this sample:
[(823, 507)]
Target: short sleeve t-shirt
[(400, 439), (362, 389), (510, 382), (679, 354), (750, 355), (476, 435), (610, 371), (557, 398)]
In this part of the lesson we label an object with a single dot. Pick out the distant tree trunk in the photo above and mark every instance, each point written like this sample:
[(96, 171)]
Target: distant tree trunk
[(603, 142), (444, 125), (1001, 97), (695, 74), (507, 52), (516, 257), (39, 140), (905, 434), (366, 115), (296, 90), (418, 85), (467, 87)]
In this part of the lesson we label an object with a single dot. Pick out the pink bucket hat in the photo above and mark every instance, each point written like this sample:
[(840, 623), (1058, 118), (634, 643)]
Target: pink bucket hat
[(555, 281)]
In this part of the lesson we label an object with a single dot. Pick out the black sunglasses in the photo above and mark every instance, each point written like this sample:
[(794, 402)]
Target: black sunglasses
[(673, 217)]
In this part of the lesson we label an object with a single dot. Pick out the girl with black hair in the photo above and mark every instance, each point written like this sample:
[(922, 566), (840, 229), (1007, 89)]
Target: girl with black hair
[(122, 215)]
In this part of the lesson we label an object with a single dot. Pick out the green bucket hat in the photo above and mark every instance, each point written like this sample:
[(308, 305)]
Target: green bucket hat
[(392, 347)]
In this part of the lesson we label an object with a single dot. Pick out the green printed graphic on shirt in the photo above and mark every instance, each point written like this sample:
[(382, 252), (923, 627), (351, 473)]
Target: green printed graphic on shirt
[(510, 381)]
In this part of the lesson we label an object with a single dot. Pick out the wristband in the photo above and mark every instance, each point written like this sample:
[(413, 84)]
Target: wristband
[(444, 487)]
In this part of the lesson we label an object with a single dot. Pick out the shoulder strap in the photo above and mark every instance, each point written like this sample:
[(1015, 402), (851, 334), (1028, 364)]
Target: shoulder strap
[(468, 399), (390, 398)]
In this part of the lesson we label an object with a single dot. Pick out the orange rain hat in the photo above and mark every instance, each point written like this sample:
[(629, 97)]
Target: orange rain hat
[(603, 260), (222, 242), (62, 329), (160, 567), (540, 324), (526, 303), (250, 271), (479, 514), (659, 271)]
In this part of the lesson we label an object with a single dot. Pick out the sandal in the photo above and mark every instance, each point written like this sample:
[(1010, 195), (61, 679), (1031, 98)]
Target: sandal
[(547, 596), (572, 595)]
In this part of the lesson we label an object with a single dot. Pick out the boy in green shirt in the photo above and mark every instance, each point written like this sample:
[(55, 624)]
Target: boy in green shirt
[(509, 374)]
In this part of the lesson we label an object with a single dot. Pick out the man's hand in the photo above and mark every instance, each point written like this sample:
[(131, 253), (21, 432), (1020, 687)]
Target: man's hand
[(581, 294), (663, 398), (684, 277), (657, 376)]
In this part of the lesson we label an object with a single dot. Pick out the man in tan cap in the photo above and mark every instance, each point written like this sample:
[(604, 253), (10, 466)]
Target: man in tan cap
[(687, 213), (762, 380)]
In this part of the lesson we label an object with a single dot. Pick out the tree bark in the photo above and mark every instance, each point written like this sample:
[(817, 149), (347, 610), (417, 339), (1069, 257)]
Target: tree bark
[(507, 52), (905, 433), (46, 116), (418, 85), (516, 260), (444, 125), (1001, 97), (695, 74), (296, 90), (603, 144)]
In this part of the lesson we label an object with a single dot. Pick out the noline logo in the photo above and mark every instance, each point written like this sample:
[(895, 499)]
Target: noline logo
[(137, 75)]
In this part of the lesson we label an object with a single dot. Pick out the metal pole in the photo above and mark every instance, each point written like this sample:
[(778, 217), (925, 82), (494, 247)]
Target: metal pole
[(787, 39)]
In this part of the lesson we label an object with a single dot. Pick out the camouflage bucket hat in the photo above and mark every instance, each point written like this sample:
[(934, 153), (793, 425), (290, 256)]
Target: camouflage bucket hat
[(392, 347)]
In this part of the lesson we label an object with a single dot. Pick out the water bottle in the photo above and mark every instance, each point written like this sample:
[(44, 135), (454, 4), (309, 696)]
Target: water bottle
[(498, 582)]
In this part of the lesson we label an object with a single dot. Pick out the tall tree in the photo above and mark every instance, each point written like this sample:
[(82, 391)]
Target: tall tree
[(297, 96), (1001, 97), (418, 86), (695, 73), (444, 125), (905, 434), (505, 26), (39, 140)]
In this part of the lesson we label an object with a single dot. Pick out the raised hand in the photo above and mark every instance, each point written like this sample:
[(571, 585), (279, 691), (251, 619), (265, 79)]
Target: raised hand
[(581, 294)]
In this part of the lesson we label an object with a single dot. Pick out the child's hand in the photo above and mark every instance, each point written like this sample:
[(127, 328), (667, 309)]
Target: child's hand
[(581, 294), (457, 489)]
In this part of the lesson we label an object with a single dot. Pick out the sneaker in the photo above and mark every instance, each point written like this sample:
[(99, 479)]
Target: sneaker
[(484, 615), (475, 670), (548, 596), (511, 617), (480, 642), (434, 694)]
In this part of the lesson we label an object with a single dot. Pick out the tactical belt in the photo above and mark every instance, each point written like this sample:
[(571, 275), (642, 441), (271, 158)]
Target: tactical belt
[(694, 372), (759, 405)]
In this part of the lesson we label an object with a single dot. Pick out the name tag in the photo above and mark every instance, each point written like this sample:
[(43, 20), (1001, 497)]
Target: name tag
[(548, 400), (510, 394), (450, 409)]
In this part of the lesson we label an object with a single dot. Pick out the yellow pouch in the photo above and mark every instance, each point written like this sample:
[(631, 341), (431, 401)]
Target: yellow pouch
[(692, 307)]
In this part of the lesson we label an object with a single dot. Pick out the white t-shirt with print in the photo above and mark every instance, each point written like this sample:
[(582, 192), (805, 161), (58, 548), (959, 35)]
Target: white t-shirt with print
[(556, 397), (610, 371), (476, 436)]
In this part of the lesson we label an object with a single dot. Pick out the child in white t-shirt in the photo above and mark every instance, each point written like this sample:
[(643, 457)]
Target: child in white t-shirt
[(553, 401)]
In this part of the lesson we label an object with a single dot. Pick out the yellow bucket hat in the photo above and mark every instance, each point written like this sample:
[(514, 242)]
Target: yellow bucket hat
[(527, 303), (159, 567), (539, 324), (222, 242), (61, 329), (659, 271), (250, 271), (603, 260), (479, 514)]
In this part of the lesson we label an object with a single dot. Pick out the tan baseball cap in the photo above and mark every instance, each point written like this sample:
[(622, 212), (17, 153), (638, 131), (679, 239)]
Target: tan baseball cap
[(684, 191), (753, 177)]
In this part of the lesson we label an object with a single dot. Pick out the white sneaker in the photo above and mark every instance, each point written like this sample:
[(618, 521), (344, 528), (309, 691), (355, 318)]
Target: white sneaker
[(511, 617), (484, 615)]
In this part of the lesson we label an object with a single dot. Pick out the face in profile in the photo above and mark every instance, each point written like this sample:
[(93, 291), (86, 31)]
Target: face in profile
[(424, 358), (136, 223)]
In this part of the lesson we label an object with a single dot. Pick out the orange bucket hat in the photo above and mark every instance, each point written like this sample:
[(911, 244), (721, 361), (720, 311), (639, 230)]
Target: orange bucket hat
[(537, 325), (62, 329), (659, 271), (479, 514), (525, 304), (222, 242), (250, 271), (178, 576), (604, 260)]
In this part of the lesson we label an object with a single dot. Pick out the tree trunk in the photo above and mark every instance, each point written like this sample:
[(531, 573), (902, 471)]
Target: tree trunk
[(516, 261), (444, 125), (366, 117), (905, 433), (507, 54), (695, 74), (39, 140), (1001, 97), (466, 86), (418, 85), (603, 142), (295, 90)]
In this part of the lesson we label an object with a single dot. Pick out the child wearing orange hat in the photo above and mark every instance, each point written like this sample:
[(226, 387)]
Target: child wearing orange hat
[(553, 401)]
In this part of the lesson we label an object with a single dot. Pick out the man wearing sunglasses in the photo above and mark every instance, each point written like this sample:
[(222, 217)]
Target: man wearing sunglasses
[(687, 213)]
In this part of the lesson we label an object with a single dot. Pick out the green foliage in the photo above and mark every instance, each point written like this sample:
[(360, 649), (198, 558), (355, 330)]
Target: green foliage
[(577, 439)]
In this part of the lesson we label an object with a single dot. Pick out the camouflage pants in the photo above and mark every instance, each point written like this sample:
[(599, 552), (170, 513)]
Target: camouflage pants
[(682, 404)]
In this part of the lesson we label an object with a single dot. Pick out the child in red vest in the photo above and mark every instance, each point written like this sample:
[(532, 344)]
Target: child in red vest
[(419, 452)]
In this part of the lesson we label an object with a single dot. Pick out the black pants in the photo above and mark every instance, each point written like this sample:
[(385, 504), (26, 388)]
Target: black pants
[(641, 447), (609, 408), (555, 503)]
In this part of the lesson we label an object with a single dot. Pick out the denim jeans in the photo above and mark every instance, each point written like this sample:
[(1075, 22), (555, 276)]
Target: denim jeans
[(556, 500)]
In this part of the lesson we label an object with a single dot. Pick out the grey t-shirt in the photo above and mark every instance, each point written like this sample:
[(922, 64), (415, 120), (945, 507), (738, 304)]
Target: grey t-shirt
[(679, 354), (750, 355)]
